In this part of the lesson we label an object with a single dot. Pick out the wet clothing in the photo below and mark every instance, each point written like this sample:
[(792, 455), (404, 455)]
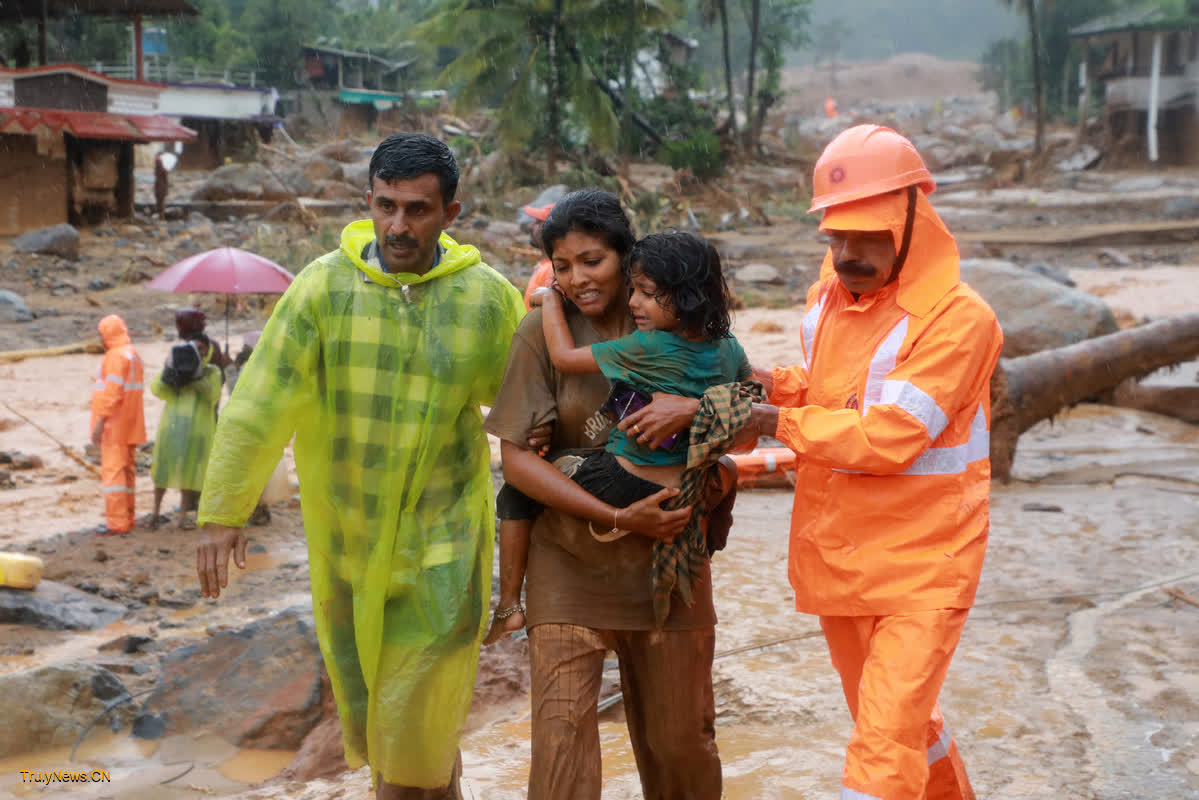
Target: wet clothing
[(660, 361), (572, 578), (380, 377), (185, 430), (723, 412), (117, 399), (599, 473), (584, 597), (900, 748), (666, 681), (890, 415)]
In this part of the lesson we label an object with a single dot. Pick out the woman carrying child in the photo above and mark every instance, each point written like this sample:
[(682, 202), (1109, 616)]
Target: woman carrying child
[(589, 589)]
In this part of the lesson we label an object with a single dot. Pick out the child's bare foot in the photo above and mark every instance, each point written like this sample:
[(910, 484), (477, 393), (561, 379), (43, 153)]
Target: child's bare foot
[(505, 622)]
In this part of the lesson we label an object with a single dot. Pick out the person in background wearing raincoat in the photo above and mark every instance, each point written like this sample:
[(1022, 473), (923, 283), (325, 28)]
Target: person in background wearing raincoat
[(185, 433), (890, 414), (118, 423), (378, 358)]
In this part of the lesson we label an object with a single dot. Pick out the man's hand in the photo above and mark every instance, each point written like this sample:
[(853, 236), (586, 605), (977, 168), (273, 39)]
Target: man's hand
[(212, 557), (648, 518), (764, 377), (667, 415), (98, 432)]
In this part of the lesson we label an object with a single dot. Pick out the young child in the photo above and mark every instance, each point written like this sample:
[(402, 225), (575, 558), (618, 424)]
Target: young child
[(680, 305)]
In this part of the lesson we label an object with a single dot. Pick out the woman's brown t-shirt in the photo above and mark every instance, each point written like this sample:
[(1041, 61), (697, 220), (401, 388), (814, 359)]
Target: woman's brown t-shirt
[(572, 578)]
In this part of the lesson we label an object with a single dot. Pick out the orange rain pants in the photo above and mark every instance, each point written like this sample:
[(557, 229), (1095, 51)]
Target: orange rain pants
[(900, 749), (117, 472)]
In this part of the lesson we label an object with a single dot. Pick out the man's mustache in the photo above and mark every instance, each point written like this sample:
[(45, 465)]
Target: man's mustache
[(858, 269), (391, 240)]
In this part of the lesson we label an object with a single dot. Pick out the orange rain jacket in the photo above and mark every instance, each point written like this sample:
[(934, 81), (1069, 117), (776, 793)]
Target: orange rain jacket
[(119, 387), (890, 416)]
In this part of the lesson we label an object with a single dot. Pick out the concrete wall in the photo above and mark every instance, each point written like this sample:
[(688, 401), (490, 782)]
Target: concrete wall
[(215, 102), (33, 187)]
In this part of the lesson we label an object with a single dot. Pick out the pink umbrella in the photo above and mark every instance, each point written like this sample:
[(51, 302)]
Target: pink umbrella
[(226, 270)]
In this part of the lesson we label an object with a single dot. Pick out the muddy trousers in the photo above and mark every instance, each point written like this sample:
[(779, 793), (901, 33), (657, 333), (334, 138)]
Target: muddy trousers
[(891, 670), (117, 471), (666, 678)]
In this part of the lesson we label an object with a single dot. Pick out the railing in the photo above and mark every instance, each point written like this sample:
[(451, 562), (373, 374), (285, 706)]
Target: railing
[(179, 73)]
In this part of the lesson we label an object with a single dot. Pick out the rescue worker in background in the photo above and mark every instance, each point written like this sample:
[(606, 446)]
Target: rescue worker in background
[(889, 414), (378, 358), (118, 423), (543, 275)]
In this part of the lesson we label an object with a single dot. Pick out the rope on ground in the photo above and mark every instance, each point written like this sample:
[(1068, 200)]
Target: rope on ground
[(92, 468)]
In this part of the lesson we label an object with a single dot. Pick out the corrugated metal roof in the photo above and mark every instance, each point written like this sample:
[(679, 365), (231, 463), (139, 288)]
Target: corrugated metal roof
[(1142, 18), (32, 9), (93, 125), (16, 73)]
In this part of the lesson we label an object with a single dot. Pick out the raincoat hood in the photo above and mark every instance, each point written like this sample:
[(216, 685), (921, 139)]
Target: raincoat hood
[(457, 257), (113, 329), (931, 267)]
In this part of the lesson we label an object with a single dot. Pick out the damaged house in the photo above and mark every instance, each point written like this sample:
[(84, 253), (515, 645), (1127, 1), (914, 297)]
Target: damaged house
[(1150, 75), (66, 144)]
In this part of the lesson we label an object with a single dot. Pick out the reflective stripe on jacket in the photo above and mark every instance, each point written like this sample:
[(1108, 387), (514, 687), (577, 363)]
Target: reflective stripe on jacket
[(890, 415), (118, 391)]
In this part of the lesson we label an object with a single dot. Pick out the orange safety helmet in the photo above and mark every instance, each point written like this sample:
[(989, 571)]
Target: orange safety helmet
[(866, 160)]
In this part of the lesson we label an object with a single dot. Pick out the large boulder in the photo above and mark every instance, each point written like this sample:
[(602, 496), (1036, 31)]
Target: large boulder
[(258, 686), (52, 707), (1036, 313), (13, 308), (241, 182), (56, 607), (56, 240), (303, 178), (550, 194)]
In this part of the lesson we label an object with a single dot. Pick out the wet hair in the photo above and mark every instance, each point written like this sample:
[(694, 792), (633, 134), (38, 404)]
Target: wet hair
[(686, 269), (403, 156), (592, 211)]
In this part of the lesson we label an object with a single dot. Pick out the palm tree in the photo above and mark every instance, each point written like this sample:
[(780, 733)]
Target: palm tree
[(528, 57)]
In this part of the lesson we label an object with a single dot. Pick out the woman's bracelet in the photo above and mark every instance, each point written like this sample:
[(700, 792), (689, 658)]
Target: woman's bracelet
[(612, 535)]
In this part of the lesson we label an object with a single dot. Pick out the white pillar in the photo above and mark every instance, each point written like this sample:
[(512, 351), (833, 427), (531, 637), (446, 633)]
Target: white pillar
[(1155, 71)]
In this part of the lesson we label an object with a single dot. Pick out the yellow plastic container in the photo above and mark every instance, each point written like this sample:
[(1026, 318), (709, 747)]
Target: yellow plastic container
[(20, 571)]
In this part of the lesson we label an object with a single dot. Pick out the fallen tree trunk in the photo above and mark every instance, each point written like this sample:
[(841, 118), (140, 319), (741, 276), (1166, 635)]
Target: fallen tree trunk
[(87, 346), (1031, 388)]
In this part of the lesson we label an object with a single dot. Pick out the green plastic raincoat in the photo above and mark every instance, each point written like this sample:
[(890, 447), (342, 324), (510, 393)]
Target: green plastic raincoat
[(381, 377), (185, 430)]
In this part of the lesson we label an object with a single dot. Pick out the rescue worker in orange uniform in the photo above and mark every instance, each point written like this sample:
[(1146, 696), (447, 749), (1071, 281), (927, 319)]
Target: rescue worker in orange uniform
[(118, 422), (543, 275), (889, 415)]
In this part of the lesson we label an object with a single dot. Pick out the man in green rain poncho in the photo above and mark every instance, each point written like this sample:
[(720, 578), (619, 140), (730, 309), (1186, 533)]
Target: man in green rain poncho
[(377, 358)]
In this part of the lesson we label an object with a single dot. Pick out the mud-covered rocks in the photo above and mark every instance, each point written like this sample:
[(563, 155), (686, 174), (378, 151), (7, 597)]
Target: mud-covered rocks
[(1035, 312), (55, 606), (13, 308), (257, 686), (242, 182), (56, 240), (52, 707)]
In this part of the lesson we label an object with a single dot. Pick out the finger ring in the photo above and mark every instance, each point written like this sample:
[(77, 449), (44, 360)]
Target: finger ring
[(637, 429)]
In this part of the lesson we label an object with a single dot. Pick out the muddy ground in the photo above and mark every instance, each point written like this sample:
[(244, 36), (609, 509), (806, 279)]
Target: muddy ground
[(1076, 676)]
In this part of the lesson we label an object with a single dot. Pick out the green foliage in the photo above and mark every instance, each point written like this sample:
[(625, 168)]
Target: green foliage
[(700, 152)]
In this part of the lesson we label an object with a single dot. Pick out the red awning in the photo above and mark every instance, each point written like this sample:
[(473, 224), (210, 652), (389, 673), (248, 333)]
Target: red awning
[(93, 125)]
